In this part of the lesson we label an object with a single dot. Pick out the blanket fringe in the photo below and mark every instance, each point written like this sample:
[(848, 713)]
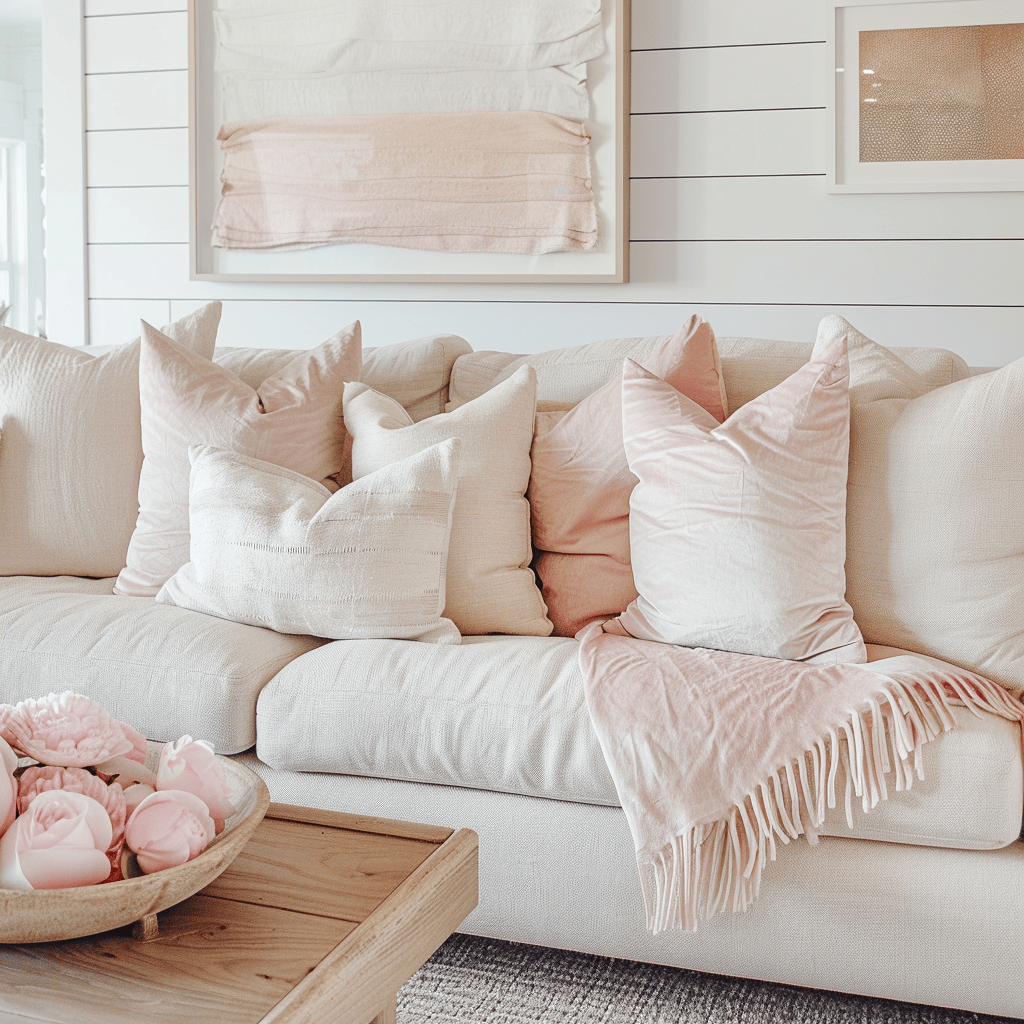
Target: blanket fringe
[(716, 866)]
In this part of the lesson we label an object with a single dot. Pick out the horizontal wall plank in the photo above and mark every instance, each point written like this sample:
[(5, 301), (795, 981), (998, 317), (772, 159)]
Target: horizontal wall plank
[(115, 322), (761, 272), (729, 78), (145, 157), (138, 214), (104, 7), (659, 24), (699, 209), (137, 42), (737, 142), (150, 99)]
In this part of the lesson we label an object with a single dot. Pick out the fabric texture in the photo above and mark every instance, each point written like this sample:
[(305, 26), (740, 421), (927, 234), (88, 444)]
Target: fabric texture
[(490, 586), (272, 548), (475, 181), (167, 671), (72, 450), (737, 530), (580, 484), (294, 419), (705, 819)]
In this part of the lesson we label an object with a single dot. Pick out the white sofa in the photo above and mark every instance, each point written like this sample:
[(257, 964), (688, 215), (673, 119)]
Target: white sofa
[(920, 902)]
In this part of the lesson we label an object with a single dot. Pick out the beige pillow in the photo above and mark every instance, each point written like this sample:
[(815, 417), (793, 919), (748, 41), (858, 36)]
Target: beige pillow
[(491, 588), (72, 450), (273, 548), (935, 541)]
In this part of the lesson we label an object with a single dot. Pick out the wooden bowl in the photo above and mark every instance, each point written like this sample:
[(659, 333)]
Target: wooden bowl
[(48, 915)]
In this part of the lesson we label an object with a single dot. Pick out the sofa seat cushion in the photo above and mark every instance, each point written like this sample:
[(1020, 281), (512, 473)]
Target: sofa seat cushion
[(167, 671), (509, 714)]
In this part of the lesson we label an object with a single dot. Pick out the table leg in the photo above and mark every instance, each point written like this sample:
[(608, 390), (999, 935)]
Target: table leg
[(387, 1013)]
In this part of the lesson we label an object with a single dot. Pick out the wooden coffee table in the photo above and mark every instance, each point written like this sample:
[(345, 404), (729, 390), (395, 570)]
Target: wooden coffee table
[(322, 917)]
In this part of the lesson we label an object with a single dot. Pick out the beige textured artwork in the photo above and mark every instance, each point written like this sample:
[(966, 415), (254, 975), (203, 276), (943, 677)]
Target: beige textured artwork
[(950, 93)]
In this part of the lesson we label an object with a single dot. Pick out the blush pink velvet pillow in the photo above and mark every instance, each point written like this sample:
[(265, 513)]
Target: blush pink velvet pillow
[(294, 419), (738, 529), (580, 484)]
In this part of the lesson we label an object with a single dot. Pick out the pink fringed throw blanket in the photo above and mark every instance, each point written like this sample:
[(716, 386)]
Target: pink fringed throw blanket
[(715, 756)]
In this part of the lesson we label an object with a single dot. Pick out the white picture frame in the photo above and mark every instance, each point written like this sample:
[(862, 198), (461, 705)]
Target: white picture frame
[(608, 123), (845, 171)]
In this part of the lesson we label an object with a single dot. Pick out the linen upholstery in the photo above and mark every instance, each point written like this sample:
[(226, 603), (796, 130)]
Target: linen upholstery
[(273, 548), (293, 419), (737, 530), (490, 586), (72, 450), (167, 671)]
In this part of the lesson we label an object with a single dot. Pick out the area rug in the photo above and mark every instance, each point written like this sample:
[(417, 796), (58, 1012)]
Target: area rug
[(486, 981)]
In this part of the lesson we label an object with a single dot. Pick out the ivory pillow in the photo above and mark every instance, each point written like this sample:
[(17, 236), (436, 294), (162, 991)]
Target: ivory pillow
[(72, 450), (580, 485), (490, 586), (737, 529), (294, 419), (273, 548)]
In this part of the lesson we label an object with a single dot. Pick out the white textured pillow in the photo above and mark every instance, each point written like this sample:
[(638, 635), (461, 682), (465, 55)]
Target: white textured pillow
[(273, 548), (737, 530), (72, 450), (491, 588)]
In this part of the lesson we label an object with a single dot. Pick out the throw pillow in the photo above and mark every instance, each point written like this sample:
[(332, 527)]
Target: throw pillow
[(737, 529), (580, 485), (273, 548), (490, 586), (294, 419), (72, 450)]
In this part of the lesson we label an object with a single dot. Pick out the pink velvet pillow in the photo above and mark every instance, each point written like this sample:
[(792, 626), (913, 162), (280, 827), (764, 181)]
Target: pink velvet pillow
[(580, 485), (738, 529), (294, 419)]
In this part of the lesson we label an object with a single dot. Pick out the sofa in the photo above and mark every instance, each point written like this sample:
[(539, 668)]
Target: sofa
[(490, 730)]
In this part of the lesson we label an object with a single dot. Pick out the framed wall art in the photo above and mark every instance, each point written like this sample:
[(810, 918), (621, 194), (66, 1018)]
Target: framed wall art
[(432, 140), (926, 96)]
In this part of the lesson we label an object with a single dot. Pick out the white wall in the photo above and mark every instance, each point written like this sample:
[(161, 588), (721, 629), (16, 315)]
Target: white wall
[(730, 218)]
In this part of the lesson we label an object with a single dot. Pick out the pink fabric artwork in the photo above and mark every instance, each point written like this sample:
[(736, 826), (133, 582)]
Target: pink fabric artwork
[(707, 751), (580, 485)]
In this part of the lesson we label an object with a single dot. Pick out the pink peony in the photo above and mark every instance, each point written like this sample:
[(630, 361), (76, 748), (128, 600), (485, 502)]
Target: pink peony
[(65, 729), (77, 780), (168, 828), (192, 765), (58, 843), (8, 786)]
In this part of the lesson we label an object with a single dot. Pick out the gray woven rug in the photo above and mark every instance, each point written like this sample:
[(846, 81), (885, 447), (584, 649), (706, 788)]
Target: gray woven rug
[(485, 981)]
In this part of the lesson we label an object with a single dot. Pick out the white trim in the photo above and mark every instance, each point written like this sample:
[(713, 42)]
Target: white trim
[(67, 319)]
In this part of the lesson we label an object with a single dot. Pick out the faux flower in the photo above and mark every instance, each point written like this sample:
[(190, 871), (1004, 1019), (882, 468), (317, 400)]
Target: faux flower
[(58, 843), (77, 780), (135, 794), (191, 765), (168, 828), (8, 786), (65, 729)]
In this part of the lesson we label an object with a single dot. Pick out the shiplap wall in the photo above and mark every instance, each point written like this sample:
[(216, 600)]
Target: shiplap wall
[(729, 215)]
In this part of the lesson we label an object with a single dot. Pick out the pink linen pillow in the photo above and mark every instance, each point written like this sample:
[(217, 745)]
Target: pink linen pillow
[(580, 484), (294, 419), (738, 530)]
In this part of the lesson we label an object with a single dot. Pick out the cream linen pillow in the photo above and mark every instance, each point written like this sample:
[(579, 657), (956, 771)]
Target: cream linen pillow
[(737, 529), (72, 450), (490, 586), (294, 419), (580, 485), (273, 548)]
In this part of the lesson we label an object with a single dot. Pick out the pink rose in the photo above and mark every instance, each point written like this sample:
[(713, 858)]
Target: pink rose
[(65, 729), (77, 780), (58, 843), (167, 829), (8, 786), (192, 765)]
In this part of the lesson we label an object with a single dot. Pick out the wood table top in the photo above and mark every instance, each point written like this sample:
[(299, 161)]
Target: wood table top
[(322, 916)]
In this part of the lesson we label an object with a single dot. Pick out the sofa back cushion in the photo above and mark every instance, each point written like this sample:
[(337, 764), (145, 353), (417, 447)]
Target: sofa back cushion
[(72, 449)]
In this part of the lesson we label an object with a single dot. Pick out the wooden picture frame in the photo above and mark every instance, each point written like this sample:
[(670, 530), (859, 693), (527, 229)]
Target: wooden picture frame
[(848, 171), (608, 124)]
